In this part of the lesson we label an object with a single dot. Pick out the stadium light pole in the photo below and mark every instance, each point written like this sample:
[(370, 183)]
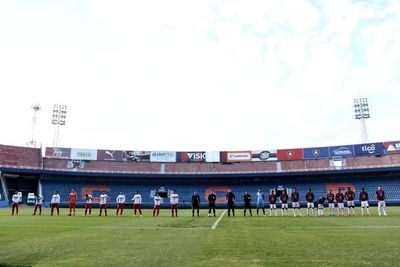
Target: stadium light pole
[(58, 119), (361, 112), (32, 142)]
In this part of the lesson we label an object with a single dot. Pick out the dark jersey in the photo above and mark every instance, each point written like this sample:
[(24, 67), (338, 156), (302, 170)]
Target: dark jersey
[(310, 197), (321, 200), (230, 197), (295, 196), (363, 196), (284, 198), (350, 196), (195, 200), (330, 197), (380, 195), (272, 199), (212, 198), (339, 197), (247, 199)]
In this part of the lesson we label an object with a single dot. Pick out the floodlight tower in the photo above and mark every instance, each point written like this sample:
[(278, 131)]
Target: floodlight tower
[(32, 142), (361, 111), (59, 117)]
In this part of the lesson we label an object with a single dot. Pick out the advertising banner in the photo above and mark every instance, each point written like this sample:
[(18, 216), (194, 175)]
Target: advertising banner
[(341, 151), (263, 155), (290, 154), (192, 156), (238, 156), (368, 149), (110, 155), (163, 156), (392, 147), (316, 153), (213, 156), (83, 154), (58, 153), (137, 156)]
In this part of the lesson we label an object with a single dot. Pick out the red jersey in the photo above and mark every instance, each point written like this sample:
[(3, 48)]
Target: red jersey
[(272, 199), (310, 197), (339, 197), (380, 195), (295, 196), (363, 196), (284, 198), (72, 197), (330, 197), (350, 196)]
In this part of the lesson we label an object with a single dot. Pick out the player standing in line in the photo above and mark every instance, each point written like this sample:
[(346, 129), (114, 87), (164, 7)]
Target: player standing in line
[(230, 200), (137, 203), (380, 196), (363, 197), (120, 204), (331, 203), (321, 201), (15, 203), (310, 202), (174, 200), (350, 196), (247, 203), (195, 203), (88, 204), (55, 203), (72, 202), (157, 204), (211, 202), (295, 197), (260, 201), (272, 203), (38, 204), (339, 199), (284, 202), (103, 203)]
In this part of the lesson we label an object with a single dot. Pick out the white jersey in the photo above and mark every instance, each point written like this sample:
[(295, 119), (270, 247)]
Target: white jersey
[(157, 200), (39, 200), (15, 198), (103, 199), (55, 199), (137, 199), (174, 199), (89, 199), (121, 199)]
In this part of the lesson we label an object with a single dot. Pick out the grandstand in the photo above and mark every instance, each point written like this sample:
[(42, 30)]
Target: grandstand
[(92, 171)]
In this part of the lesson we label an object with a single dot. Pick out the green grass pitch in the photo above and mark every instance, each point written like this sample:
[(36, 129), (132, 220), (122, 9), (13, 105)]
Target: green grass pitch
[(27, 240)]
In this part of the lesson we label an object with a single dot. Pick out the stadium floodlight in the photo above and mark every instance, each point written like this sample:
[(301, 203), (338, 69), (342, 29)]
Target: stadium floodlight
[(361, 112), (32, 142), (58, 119)]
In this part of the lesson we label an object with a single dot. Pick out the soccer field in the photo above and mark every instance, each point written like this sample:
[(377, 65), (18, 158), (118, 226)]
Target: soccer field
[(27, 240)]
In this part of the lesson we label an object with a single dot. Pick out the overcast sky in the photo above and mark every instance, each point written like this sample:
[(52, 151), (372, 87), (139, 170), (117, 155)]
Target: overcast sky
[(199, 75)]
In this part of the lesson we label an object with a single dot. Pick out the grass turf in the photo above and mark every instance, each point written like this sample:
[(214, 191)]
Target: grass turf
[(27, 240)]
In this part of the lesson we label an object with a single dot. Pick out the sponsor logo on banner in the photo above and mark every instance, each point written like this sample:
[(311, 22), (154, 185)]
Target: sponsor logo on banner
[(290, 154), (83, 154), (392, 147), (316, 153), (163, 156), (213, 156), (58, 152), (109, 155), (263, 155), (341, 151), (368, 149), (193, 156), (238, 156), (137, 156)]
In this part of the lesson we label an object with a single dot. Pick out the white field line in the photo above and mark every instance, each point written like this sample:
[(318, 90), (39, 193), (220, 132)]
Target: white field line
[(218, 220)]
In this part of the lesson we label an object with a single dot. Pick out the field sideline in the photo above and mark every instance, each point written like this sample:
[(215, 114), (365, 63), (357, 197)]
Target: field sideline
[(27, 240)]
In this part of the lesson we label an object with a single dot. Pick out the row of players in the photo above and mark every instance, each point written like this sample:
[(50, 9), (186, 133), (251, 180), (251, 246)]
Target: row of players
[(331, 198)]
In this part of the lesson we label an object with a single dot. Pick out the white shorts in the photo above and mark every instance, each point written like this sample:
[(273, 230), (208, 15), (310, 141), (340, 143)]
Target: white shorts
[(340, 205), (295, 205), (310, 205), (350, 203), (284, 205), (364, 204), (381, 204), (331, 205), (320, 206), (272, 206)]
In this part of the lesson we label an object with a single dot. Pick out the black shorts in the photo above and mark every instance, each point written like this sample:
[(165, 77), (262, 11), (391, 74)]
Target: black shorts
[(195, 206), (231, 205), (211, 205)]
